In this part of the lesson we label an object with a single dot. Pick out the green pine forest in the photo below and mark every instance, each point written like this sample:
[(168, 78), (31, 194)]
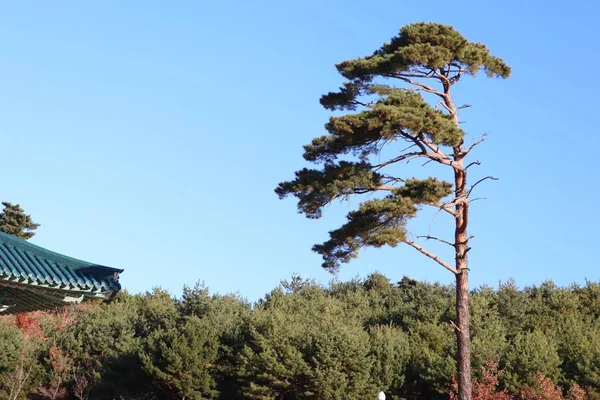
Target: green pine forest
[(348, 340)]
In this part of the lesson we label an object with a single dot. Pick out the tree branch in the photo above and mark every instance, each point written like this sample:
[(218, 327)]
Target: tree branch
[(477, 198), (473, 163), (405, 78), (440, 74), (445, 106), (361, 190), (454, 326), (366, 105), (435, 258), (478, 182), (389, 179), (428, 237), (401, 157), (422, 75), (467, 150), (442, 207), (431, 146)]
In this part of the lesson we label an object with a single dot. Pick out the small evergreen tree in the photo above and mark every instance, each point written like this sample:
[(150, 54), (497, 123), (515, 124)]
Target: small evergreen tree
[(15, 222), (426, 58)]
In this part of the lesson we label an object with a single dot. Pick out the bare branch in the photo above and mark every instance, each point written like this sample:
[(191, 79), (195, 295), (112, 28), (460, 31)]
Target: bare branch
[(405, 78), (431, 146), (454, 326), (360, 190), (473, 163), (461, 70), (477, 198), (445, 106), (441, 207), (421, 75), (407, 148), (432, 256), (439, 74), (416, 140), (452, 203), (383, 187), (401, 157), (363, 190), (390, 179), (367, 105), (467, 150), (423, 144), (479, 181), (428, 237)]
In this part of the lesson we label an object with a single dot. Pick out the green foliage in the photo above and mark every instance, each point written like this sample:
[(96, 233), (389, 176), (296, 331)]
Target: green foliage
[(432, 362), (376, 223), (194, 301), (513, 307), (390, 352), (317, 188), (11, 342), (489, 333), (20, 370), (15, 222), (396, 115), (424, 44), (181, 358), (103, 347), (531, 353), (579, 350), (299, 346), (302, 340)]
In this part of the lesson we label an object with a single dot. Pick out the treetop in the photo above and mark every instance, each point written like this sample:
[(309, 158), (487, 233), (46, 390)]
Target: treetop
[(427, 45)]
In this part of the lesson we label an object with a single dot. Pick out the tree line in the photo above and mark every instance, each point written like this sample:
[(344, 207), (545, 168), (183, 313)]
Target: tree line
[(302, 340)]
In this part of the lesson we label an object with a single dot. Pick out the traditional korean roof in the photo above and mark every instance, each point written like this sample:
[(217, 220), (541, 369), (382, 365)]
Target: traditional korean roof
[(33, 278)]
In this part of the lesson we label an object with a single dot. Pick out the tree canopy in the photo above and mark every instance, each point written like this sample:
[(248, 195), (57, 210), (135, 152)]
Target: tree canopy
[(302, 341), (15, 222)]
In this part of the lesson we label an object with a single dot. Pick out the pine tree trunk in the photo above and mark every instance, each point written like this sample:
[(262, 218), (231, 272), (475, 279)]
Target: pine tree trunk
[(463, 336)]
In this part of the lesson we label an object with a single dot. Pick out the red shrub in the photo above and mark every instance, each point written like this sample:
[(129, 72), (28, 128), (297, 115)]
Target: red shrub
[(486, 388)]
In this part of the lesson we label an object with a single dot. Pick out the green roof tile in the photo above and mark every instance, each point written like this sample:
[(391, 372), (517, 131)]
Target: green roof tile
[(33, 278)]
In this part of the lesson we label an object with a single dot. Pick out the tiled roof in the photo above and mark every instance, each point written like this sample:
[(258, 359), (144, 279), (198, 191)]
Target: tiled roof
[(33, 278)]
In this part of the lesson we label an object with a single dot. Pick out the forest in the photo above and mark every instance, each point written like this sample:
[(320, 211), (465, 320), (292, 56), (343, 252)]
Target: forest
[(302, 340)]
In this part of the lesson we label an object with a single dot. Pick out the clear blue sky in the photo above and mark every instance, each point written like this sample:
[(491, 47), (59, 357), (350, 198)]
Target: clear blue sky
[(150, 136)]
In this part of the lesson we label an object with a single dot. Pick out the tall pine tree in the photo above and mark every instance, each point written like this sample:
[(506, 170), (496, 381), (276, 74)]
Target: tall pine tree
[(386, 109), (15, 222)]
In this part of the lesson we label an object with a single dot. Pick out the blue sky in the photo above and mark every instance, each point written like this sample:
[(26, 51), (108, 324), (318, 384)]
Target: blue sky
[(150, 136)]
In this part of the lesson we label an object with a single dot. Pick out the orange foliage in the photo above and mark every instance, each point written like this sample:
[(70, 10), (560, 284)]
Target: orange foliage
[(30, 324), (486, 388), (547, 390)]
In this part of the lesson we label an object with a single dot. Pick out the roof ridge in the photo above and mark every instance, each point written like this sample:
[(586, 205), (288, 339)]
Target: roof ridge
[(41, 251)]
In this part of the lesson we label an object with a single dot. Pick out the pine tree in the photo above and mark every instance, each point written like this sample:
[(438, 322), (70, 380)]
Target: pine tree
[(384, 97), (15, 222)]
